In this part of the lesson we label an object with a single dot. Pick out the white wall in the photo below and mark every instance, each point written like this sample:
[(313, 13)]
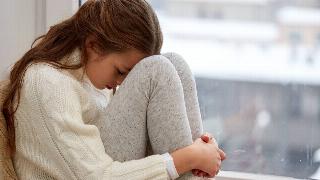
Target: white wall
[(17, 19), (24, 20), (58, 10)]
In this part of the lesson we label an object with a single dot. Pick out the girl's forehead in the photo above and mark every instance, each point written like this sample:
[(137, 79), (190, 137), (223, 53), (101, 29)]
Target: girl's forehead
[(130, 58)]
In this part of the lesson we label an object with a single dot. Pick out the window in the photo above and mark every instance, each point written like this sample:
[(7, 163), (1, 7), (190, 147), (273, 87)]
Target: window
[(263, 110), (295, 38), (82, 1)]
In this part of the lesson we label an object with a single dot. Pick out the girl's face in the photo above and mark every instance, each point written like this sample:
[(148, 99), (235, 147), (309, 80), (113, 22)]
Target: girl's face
[(108, 71)]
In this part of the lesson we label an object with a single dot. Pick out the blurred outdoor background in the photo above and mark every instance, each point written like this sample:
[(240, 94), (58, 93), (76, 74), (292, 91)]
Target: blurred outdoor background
[(256, 64), (257, 68)]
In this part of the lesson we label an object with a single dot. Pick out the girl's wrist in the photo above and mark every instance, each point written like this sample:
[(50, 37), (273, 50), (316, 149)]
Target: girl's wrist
[(194, 156), (185, 159)]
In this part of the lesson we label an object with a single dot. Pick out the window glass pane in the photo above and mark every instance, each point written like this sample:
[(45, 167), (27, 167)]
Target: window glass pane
[(257, 69), (82, 1)]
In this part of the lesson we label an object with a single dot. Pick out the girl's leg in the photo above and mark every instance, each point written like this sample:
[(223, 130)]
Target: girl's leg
[(190, 93), (191, 99), (149, 105)]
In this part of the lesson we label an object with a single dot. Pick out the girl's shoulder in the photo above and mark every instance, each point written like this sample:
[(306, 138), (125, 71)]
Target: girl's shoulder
[(47, 80), (46, 72), (41, 68)]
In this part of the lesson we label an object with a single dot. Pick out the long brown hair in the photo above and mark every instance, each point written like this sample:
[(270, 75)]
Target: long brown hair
[(116, 25)]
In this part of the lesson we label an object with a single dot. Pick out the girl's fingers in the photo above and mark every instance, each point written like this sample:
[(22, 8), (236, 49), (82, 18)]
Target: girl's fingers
[(208, 138), (222, 154), (195, 172), (208, 176), (199, 173), (205, 138)]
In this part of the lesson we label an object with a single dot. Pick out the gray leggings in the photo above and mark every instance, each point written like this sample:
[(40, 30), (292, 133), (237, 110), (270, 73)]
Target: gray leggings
[(156, 106)]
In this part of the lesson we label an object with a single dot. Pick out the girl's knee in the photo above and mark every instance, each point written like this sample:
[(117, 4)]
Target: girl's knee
[(158, 70), (177, 60), (156, 64), (172, 56)]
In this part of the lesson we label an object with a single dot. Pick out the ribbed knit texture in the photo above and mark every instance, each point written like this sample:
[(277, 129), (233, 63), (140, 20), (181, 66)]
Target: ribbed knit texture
[(6, 168), (54, 136)]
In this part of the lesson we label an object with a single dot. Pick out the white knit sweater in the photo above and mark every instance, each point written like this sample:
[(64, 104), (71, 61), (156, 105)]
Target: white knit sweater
[(54, 137)]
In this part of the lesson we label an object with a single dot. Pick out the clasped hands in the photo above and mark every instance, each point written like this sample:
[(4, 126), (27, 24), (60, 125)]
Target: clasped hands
[(216, 157)]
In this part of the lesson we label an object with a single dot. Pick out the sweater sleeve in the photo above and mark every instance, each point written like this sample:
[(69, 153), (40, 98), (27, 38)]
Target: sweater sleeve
[(79, 145)]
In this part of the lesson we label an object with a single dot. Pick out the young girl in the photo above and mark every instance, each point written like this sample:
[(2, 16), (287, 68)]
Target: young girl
[(61, 123)]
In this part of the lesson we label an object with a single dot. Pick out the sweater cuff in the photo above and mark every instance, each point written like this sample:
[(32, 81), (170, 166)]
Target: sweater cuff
[(171, 169)]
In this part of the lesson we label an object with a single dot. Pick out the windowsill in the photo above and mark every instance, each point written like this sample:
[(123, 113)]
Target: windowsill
[(231, 175)]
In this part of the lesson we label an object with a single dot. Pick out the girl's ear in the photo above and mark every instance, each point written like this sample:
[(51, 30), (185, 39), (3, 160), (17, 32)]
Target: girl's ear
[(91, 45), (91, 49)]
